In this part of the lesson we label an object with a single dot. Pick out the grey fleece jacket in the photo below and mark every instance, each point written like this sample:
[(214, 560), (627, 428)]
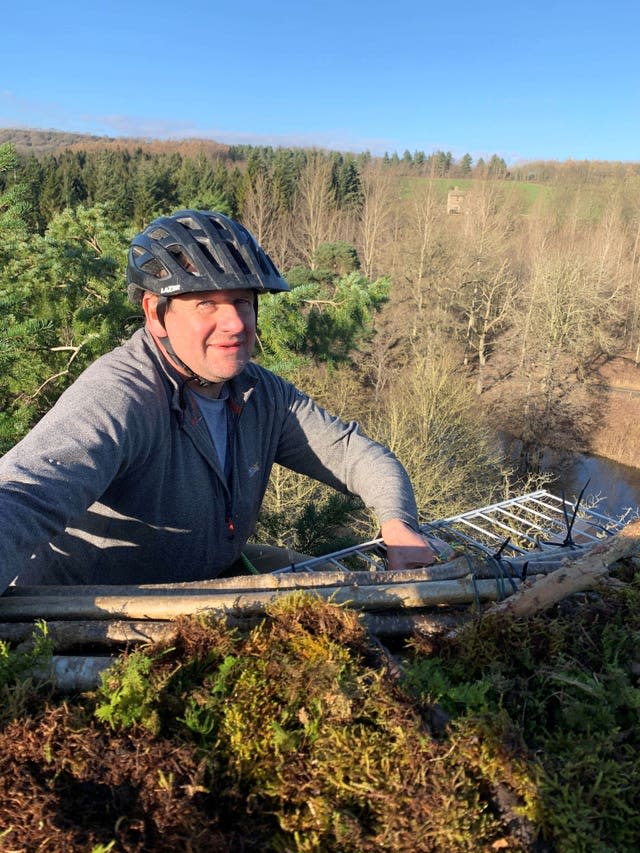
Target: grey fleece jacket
[(120, 483)]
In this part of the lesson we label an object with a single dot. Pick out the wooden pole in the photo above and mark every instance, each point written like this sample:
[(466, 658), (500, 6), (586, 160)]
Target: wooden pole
[(284, 582), (71, 673), (163, 606), (118, 634), (539, 563), (93, 633)]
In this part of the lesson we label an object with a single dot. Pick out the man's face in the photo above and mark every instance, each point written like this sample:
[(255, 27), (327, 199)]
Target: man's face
[(213, 332)]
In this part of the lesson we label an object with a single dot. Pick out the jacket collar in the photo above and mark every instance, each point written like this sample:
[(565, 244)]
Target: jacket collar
[(240, 387)]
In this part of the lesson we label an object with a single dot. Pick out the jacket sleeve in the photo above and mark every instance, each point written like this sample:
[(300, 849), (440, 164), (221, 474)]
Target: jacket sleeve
[(63, 465), (322, 446)]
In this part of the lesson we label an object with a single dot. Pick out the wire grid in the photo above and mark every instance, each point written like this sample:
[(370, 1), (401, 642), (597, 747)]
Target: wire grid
[(538, 521), (534, 522)]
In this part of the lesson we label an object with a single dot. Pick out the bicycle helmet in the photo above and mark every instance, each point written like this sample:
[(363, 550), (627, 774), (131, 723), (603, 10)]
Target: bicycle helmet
[(194, 250)]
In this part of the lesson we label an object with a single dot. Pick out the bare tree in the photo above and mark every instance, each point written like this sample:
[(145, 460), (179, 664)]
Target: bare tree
[(488, 307), (315, 211), (485, 285), (271, 225), (281, 245), (423, 271), (632, 325), (375, 216), (258, 211), (434, 427)]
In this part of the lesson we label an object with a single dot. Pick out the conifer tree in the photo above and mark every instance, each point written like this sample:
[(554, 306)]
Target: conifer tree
[(62, 304), (327, 315)]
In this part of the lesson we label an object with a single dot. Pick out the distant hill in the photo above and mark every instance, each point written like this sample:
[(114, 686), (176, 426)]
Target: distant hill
[(42, 143), (39, 142)]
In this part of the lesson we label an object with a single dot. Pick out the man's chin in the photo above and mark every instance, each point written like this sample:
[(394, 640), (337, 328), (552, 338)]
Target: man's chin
[(223, 374)]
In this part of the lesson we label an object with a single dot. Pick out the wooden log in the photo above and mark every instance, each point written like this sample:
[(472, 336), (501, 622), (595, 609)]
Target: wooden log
[(116, 635), (398, 624), (94, 634), (242, 583), (583, 574), (455, 569), (75, 673), (164, 607), (98, 634), (82, 672)]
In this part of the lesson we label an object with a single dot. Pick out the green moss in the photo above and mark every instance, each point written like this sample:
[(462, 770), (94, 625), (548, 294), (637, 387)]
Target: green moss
[(20, 688), (312, 744), (567, 684), (127, 694), (516, 734), (16, 663)]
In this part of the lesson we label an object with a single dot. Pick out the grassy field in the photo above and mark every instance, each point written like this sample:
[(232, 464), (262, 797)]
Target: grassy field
[(528, 192)]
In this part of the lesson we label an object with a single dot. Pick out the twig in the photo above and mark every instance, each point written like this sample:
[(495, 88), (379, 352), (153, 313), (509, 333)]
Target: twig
[(583, 573)]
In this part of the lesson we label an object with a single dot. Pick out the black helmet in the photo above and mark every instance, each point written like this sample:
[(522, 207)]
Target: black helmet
[(194, 250)]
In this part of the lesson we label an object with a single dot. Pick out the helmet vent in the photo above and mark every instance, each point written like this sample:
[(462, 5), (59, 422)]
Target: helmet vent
[(189, 223), (154, 267), (158, 234), (206, 251), (217, 225), (239, 259), (265, 263), (183, 259)]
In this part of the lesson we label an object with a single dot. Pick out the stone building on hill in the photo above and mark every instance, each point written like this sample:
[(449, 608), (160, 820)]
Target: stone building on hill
[(455, 201)]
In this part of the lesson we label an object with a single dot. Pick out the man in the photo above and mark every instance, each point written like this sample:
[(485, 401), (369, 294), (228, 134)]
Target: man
[(152, 466)]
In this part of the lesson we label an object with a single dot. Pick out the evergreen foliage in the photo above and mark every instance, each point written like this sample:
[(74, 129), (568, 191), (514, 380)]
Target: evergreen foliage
[(61, 306), (321, 524), (325, 317), (14, 203)]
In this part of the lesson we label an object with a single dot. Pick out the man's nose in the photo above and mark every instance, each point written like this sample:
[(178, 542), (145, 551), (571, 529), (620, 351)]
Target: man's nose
[(230, 319)]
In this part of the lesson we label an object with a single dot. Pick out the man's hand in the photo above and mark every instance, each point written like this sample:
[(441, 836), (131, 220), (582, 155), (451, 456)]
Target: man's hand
[(406, 548)]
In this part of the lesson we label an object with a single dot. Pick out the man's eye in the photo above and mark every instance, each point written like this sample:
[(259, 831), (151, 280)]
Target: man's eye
[(206, 306)]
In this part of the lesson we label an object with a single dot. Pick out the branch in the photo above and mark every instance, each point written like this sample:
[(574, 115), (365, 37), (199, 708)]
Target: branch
[(75, 351), (584, 573), (323, 302), (96, 295)]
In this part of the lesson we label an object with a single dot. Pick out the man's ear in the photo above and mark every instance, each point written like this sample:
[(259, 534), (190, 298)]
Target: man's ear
[(150, 308)]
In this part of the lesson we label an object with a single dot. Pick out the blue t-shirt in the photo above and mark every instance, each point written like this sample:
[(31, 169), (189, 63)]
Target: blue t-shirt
[(214, 412)]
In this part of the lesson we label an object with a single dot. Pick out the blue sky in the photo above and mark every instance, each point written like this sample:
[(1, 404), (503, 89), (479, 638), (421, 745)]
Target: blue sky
[(553, 80)]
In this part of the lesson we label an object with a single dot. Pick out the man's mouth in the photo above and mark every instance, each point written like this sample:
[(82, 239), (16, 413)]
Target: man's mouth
[(227, 344)]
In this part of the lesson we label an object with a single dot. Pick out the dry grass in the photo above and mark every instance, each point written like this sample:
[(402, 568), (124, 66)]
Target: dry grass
[(618, 435)]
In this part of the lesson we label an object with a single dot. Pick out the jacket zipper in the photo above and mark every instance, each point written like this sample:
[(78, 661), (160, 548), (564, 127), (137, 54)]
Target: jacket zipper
[(236, 411)]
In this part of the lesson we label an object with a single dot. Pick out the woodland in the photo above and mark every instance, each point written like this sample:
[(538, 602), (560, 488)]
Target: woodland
[(442, 333), (437, 331)]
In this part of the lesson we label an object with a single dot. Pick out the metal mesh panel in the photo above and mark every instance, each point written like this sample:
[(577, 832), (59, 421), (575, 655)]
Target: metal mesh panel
[(533, 524)]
